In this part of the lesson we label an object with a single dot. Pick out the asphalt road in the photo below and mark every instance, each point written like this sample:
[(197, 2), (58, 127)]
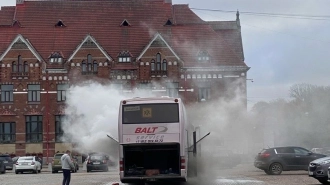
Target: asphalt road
[(243, 174)]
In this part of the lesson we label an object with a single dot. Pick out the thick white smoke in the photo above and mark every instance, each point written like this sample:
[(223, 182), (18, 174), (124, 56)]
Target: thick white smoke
[(92, 114)]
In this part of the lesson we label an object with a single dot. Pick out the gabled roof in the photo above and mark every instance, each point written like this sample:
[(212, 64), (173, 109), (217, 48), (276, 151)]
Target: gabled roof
[(90, 38), (157, 36), (20, 38), (101, 18)]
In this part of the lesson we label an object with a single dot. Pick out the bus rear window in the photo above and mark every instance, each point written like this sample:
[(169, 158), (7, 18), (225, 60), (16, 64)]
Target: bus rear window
[(150, 113)]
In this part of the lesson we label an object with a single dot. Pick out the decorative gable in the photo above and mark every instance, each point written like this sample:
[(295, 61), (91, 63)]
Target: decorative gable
[(21, 43), (89, 42), (157, 41)]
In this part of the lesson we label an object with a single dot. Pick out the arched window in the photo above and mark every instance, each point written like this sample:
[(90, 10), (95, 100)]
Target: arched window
[(152, 65), (164, 65), (14, 67), (26, 67), (20, 64), (95, 66), (83, 66), (158, 64), (89, 62)]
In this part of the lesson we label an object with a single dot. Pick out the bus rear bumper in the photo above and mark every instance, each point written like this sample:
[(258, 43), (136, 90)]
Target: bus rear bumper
[(179, 178)]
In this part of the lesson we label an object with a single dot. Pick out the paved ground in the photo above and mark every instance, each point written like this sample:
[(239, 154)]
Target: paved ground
[(244, 174)]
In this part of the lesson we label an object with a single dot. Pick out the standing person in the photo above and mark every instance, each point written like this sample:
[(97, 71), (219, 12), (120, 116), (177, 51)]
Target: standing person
[(67, 166)]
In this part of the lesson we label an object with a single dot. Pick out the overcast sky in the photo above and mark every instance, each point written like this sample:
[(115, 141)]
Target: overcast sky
[(281, 51)]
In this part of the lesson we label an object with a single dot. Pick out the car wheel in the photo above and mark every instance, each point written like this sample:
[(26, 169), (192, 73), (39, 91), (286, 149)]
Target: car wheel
[(324, 181), (275, 169), (88, 170)]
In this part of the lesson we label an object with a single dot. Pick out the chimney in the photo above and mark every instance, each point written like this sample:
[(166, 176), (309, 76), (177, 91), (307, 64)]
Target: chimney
[(19, 2), (168, 1)]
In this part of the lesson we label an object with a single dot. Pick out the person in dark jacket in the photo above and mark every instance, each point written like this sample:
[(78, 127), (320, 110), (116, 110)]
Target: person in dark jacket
[(67, 166)]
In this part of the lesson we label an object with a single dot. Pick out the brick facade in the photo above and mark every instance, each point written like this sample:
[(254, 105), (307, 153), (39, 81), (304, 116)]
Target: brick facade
[(190, 78)]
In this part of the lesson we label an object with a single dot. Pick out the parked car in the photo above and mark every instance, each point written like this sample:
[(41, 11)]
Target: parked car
[(57, 166), (2, 167), (318, 169), (8, 162), (98, 161), (27, 163), (14, 159), (275, 160)]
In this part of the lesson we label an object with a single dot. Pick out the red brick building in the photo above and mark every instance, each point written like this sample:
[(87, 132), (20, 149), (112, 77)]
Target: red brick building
[(47, 45)]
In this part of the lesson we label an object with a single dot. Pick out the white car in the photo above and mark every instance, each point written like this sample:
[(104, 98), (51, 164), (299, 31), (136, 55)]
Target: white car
[(27, 163)]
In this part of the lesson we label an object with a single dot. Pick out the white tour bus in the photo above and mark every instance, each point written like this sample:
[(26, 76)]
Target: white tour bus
[(154, 138)]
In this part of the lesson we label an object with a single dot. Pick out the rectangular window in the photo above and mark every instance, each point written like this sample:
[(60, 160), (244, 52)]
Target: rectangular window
[(7, 94), (33, 129), (172, 89), (145, 86), (59, 128), (7, 132), (34, 93), (204, 94), (150, 113), (61, 91)]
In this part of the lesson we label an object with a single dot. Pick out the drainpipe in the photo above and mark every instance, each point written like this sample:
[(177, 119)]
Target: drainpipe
[(47, 115)]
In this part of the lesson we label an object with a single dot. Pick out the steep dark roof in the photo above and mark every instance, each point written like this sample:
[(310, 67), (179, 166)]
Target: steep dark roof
[(7, 14), (231, 32), (101, 19)]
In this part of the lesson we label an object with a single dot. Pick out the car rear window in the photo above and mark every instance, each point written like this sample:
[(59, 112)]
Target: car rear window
[(58, 156), (6, 158), (25, 159), (96, 157)]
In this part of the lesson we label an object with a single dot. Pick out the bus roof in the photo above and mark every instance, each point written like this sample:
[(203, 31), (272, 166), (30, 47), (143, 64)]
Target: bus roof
[(155, 99)]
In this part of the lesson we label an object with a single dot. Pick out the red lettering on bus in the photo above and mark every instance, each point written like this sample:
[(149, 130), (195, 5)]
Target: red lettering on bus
[(146, 130)]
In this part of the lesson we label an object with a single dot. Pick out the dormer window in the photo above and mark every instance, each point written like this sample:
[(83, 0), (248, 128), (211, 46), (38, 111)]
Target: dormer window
[(56, 57), (168, 23), (125, 23), (203, 56), (60, 24), (124, 57)]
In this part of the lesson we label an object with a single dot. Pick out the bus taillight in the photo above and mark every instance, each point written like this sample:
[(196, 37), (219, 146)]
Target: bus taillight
[(121, 167), (183, 163)]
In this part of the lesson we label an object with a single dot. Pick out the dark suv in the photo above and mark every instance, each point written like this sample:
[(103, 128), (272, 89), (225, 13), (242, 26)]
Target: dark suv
[(7, 161), (275, 160)]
